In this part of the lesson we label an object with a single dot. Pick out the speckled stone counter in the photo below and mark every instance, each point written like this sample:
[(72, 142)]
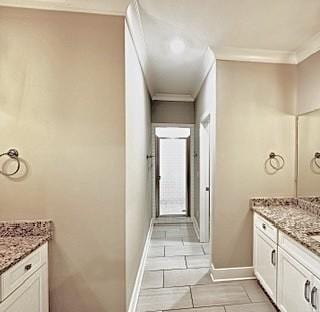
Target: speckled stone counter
[(297, 220), (19, 239)]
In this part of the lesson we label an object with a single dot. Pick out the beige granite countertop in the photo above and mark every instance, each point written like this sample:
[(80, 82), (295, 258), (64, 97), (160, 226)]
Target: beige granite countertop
[(295, 222), (20, 238)]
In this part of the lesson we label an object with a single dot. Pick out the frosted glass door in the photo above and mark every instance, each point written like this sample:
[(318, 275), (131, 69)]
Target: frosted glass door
[(173, 176)]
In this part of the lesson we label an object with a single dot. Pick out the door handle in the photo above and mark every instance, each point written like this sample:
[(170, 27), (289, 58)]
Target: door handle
[(273, 261), (207, 189), (313, 298), (306, 290)]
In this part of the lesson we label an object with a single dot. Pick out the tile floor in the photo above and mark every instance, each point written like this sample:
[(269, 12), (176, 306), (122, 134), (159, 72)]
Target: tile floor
[(177, 278)]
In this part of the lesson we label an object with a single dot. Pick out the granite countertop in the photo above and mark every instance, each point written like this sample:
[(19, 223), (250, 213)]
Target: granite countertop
[(294, 221), (20, 238)]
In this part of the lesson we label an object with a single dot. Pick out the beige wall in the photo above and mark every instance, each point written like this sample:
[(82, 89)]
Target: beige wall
[(254, 102), (138, 170), (173, 112), (309, 82), (308, 145), (62, 105)]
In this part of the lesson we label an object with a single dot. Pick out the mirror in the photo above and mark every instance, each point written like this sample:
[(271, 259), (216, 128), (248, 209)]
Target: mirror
[(308, 166)]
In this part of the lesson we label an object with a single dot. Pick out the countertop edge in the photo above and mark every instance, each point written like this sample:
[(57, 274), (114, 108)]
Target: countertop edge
[(42, 240)]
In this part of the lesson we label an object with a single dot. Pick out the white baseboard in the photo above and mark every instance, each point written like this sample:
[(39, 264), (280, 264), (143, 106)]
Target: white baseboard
[(139, 277), (196, 227), (232, 274)]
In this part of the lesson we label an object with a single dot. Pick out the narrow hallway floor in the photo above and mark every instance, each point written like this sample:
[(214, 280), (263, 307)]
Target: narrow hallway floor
[(177, 278)]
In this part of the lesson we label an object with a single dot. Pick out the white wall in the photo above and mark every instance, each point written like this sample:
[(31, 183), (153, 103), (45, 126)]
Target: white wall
[(138, 170)]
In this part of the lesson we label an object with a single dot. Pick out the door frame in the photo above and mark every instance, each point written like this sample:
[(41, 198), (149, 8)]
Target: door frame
[(191, 163), (205, 178), (187, 172)]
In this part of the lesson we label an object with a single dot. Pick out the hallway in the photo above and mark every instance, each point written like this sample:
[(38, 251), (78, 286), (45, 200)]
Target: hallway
[(177, 277)]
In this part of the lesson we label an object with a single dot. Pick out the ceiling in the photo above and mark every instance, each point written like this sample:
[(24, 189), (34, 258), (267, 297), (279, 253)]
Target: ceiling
[(174, 61), (279, 31), (282, 25)]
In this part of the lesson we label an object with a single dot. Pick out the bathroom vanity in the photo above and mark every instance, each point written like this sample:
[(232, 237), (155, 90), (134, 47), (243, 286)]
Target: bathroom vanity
[(24, 266), (287, 254)]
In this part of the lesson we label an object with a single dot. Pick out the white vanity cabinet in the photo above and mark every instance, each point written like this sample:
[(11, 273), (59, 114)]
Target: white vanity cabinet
[(265, 255), (298, 277), (24, 287), (289, 272), (294, 285)]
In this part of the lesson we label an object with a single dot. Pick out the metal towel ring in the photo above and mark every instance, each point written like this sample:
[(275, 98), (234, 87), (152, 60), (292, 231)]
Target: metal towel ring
[(280, 164), (13, 154), (317, 159)]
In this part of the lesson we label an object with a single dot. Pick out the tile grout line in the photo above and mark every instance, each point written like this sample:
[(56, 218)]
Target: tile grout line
[(191, 297), (187, 263), (163, 278), (204, 252), (246, 292)]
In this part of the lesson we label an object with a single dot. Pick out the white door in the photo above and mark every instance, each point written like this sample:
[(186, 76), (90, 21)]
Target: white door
[(294, 285), (265, 262), (31, 296), (204, 134), (173, 176)]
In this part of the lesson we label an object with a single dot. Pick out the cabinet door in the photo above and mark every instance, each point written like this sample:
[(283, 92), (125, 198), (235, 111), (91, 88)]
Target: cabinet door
[(294, 285), (265, 262), (31, 296)]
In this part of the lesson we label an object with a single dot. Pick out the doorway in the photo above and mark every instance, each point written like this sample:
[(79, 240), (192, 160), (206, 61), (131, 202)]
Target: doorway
[(172, 171), (204, 139)]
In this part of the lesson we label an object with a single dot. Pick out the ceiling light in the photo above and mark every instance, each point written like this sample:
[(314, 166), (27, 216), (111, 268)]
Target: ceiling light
[(177, 46)]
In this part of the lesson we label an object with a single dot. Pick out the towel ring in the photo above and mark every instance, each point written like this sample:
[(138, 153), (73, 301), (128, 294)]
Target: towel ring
[(12, 154), (317, 159), (279, 159)]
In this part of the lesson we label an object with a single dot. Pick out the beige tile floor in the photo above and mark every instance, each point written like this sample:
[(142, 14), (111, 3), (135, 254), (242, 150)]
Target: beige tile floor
[(177, 278)]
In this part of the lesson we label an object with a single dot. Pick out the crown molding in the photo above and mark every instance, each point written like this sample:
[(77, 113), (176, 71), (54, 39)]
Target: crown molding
[(255, 55), (57, 5), (172, 97), (308, 48)]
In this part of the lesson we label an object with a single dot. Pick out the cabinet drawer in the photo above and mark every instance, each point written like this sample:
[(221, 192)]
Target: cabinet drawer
[(19, 273), (266, 227)]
